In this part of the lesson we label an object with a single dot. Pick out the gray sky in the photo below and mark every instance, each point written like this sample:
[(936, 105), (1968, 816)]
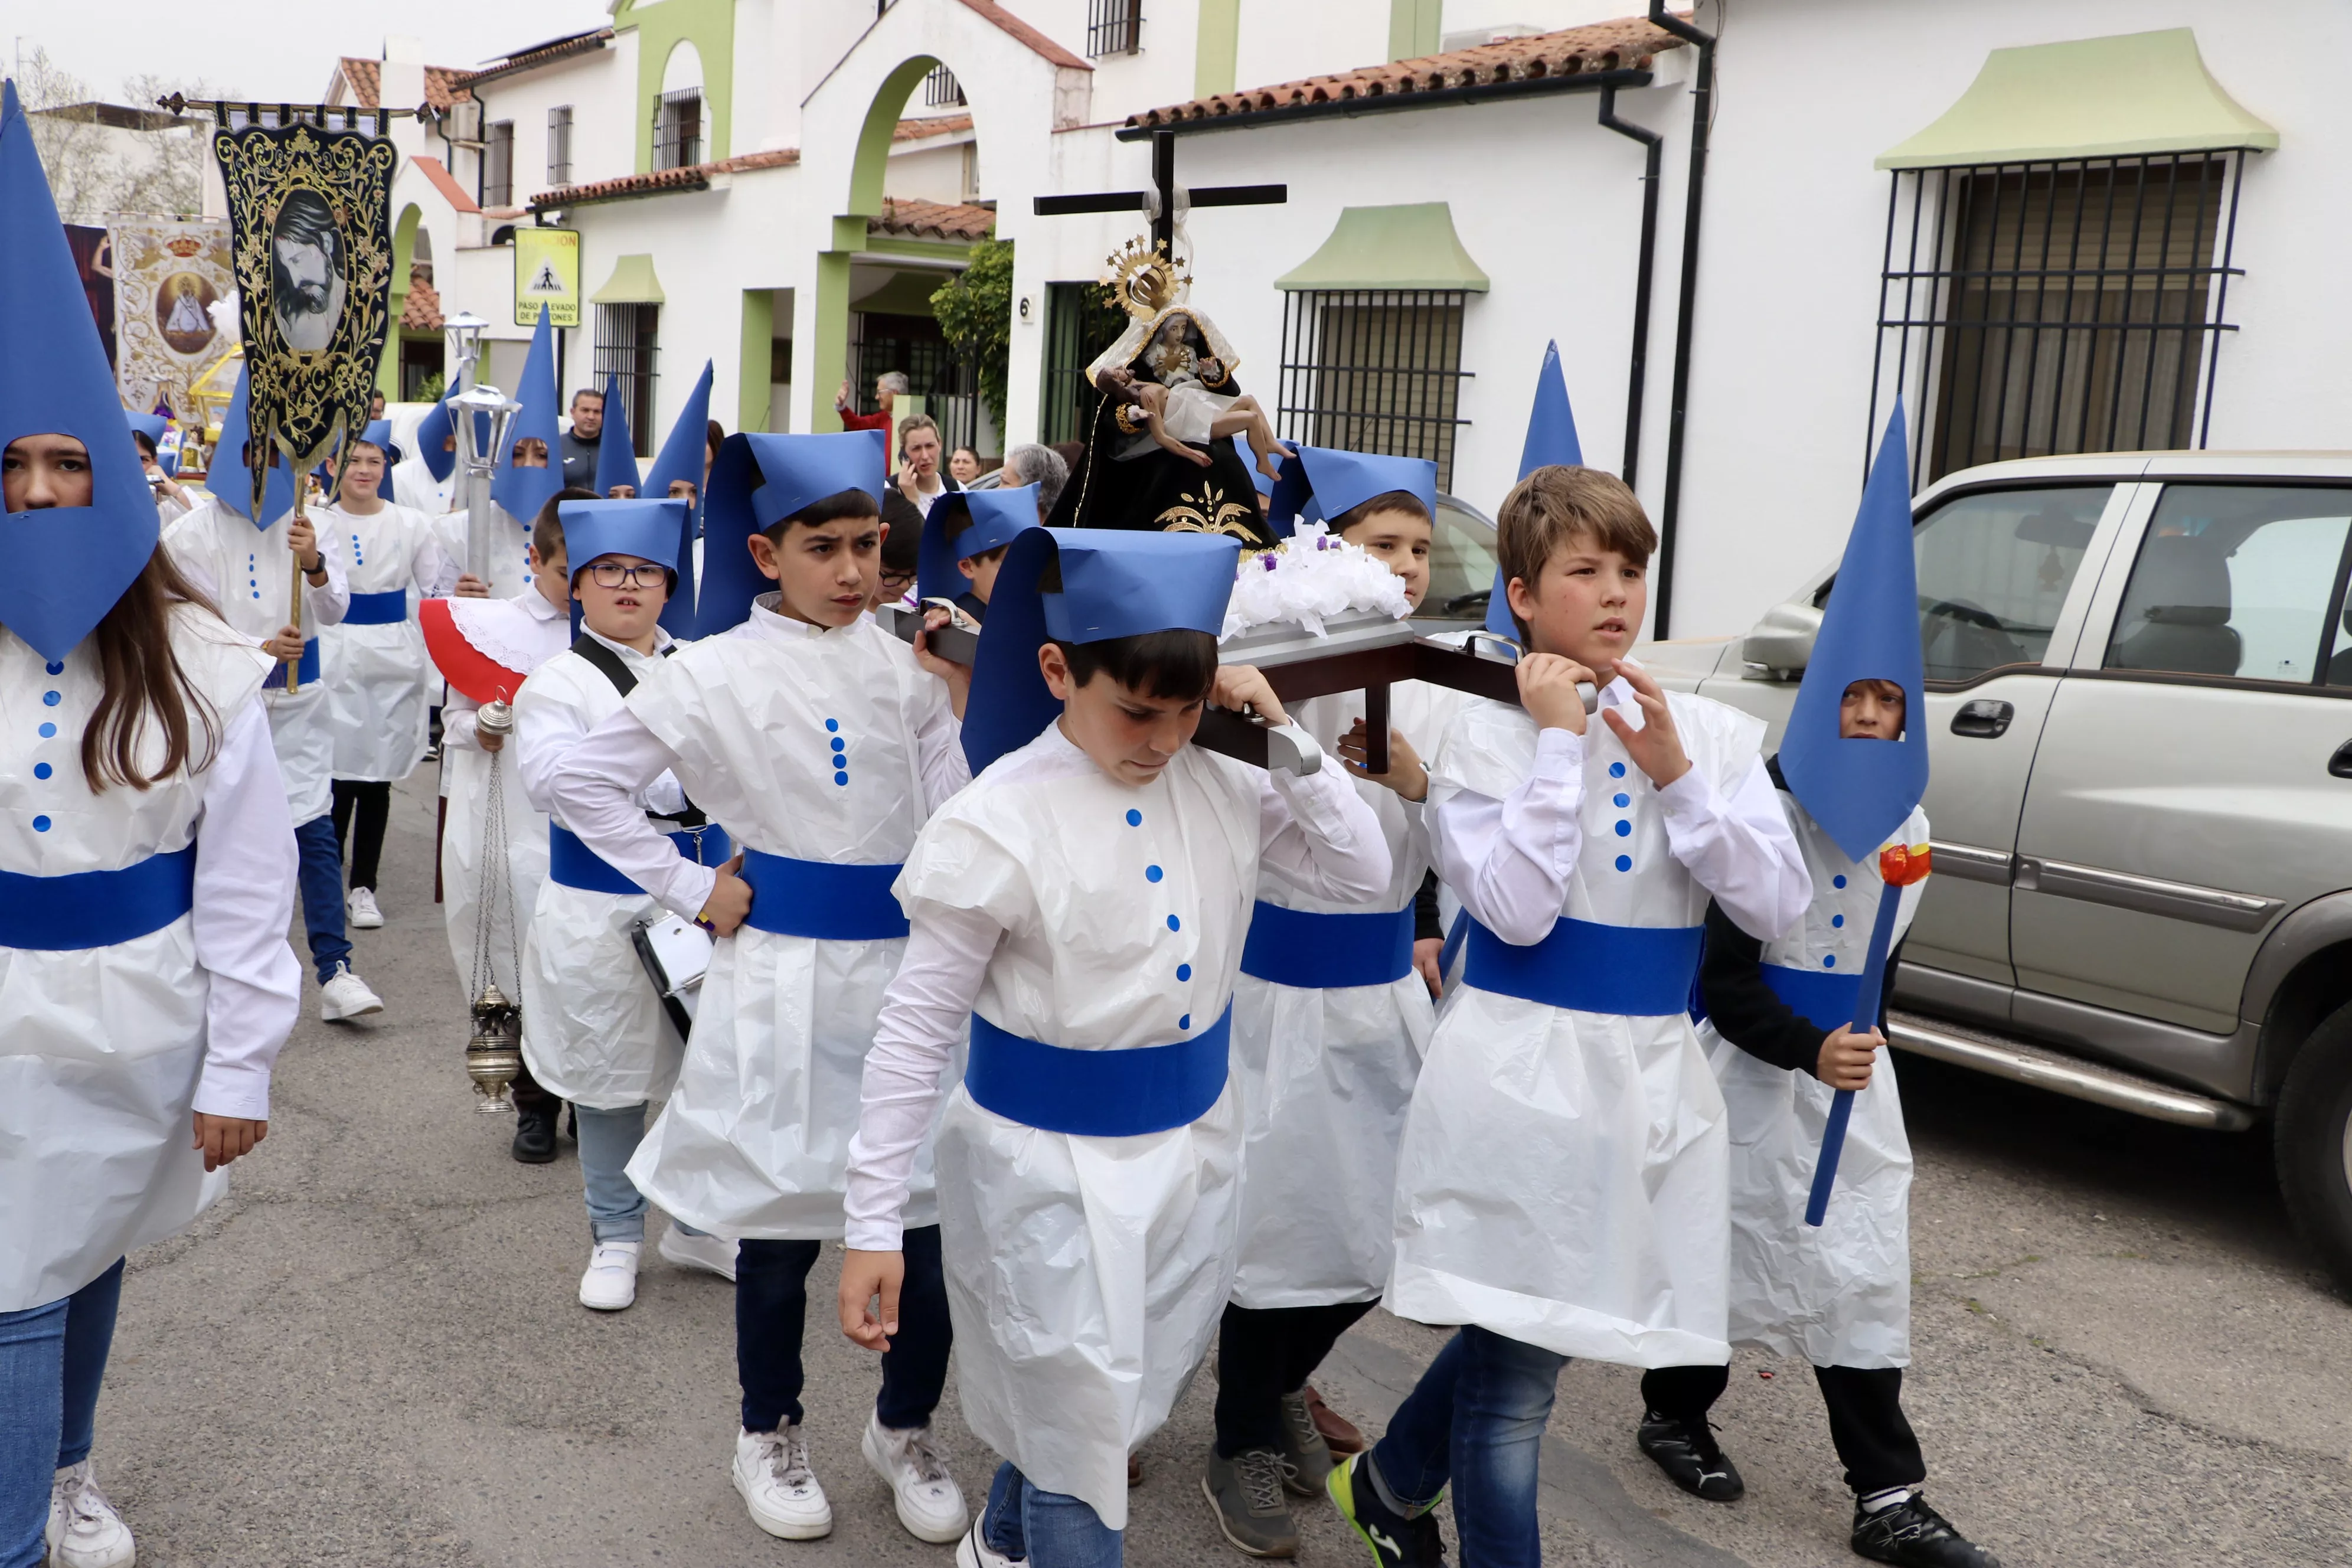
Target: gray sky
[(272, 49)]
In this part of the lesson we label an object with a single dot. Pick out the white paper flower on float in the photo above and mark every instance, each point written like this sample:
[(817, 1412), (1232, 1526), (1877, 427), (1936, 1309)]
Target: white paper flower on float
[(1311, 577)]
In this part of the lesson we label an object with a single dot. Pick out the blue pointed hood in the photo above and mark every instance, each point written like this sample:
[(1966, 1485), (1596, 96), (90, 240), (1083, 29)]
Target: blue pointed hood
[(758, 481), (522, 491), (616, 448), (651, 530), (435, 428), (229, 480), (681, 458), (1321, 482), (1861, 791), (998, 516), (1551, 439), (67, 565), (1115, 583), (150, 426)]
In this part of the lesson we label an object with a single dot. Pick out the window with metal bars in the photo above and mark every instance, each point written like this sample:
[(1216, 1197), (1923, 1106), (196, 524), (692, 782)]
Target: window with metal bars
[(1374, 371), (2030, 309), (1080, 324), (941, 88), (498, 166), (627, 354), (677, 128), (559, 146), (1114, 28)]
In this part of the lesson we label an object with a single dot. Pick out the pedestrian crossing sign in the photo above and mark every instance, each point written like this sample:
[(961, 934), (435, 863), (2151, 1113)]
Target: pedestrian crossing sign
[(547, 273)]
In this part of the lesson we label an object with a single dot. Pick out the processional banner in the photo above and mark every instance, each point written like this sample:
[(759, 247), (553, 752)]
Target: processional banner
[(168, 274)]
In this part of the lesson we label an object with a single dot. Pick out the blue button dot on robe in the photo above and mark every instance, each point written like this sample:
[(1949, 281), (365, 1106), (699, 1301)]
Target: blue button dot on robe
[(1616, 770), (832, 723), (841, 778), (47, 731), (1621, 801), (839, 745), (1624, 862), (1837, 881), (1829, 962), (40, 824), (1625, 830), (1183, 972), (42, 770), (1185, 1022), (52, 697), (1837, 921), (1134, 818), (1175, 924), (1152, 873), (54, 667)]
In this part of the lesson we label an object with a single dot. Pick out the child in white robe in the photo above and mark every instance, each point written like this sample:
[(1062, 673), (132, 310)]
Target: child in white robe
[(594, 1031), (1083, 905), (822, 742), (1561, 1188)]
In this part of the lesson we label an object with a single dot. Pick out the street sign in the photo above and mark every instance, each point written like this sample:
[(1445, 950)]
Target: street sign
[(547, 273)]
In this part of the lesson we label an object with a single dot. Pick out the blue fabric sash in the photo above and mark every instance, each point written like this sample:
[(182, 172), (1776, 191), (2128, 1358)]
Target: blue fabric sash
[(822, 898), (1634, 971), (1327, 951), (96, 909), (384, 609), (572, 863), (1096, 1094), (1821, 997), (308, 666)]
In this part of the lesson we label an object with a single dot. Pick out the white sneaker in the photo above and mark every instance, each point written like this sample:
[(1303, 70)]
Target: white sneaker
[(360, 910), (772, 1471), (711, 1254), (346, 995), (931, 1505), (84, 1529), (611, 1282), (971, 1551)]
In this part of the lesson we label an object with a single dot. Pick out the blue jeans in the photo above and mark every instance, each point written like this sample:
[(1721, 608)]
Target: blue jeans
[(1476, 1419), (1051, 1530), (52, 1361), (616, 1210), (322, 894), (772, 1310)]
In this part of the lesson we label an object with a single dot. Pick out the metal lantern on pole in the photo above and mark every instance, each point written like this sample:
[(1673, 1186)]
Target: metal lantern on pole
[(463, 333), (497, 410)]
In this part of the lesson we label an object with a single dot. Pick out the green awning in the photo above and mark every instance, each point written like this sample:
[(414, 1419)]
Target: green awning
[(2095, 98), (632, 283), (1412, 246)]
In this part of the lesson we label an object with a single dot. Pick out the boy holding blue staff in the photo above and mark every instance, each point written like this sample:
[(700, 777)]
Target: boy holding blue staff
[(1082, 907), (965, 536), (594, 1031), (822, 742), (1789, 1025), (1560, 1189)]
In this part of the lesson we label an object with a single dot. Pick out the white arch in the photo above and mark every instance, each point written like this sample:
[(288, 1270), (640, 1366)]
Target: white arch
[(683, 69)]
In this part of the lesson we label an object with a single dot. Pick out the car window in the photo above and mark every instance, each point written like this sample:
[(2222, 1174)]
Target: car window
[(1461, 565), (2235, 580), (1994, 570)]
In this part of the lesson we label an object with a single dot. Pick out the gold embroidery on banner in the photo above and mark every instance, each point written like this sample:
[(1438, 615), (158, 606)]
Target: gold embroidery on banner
[(1209, 513)]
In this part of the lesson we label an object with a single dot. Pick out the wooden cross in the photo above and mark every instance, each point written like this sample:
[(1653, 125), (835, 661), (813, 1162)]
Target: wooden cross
[(1163, 180)]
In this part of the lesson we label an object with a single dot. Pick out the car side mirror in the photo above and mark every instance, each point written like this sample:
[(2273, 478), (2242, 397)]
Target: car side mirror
[(1782, 642)]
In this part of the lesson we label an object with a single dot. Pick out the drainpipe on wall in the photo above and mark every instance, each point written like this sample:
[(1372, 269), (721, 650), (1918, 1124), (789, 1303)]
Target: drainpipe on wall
[(1678, 409), (1638, 369)]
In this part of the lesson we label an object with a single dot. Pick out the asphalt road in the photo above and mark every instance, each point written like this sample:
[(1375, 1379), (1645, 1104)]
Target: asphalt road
[(371, 1354)]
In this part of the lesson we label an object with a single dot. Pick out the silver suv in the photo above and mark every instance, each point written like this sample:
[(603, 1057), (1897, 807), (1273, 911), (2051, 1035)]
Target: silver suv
[(2139, 689)]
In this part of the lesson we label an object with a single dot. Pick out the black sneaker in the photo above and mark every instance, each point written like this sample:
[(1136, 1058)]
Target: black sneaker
[(1915, 1536), (1396, 1542), (1245, 1492), (1691, 1459), (535, 1138)]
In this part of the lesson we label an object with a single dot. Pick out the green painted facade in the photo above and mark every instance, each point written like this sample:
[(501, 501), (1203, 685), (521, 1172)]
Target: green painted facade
[(1216, 53), (1414, 27), (751, 359), (661, 26)]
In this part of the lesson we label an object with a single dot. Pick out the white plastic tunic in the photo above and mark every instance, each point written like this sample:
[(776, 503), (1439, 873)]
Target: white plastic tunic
[(1562, 1179), (106, 1052), (521, 633), (1839, 1295), (1086, 1275), (375, 675), (1325, 1074), (592, 1029), (511, 573), (755, 1137), (248, 573)]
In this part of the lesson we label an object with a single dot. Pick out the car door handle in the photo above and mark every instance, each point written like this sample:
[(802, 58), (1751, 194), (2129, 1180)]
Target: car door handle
[(1987, 719), (2340, 764)]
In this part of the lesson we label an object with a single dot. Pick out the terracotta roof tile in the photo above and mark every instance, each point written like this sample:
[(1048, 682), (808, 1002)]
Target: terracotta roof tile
[(544, 54), (692, 177), (934, 220), (442, 85), (937, 125), (421, 311), (1627, 44)]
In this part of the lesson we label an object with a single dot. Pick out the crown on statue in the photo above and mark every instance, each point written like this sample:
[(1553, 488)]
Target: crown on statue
[(1141, 278)]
